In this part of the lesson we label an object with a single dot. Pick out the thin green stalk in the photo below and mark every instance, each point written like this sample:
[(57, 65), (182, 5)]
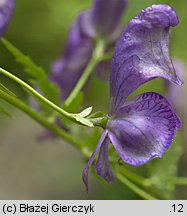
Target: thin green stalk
[(34, 92), (73, 117), (97, 56), (40, 119), (77, 118), (134, 188)]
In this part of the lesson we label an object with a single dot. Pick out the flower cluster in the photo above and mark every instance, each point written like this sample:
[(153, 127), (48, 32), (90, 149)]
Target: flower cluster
[(101, 21), (141, 129), (6, 10)]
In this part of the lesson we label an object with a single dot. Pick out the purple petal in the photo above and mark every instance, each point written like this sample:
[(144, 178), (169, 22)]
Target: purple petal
[(67, 69), (143, 129), (102, 165), (86, 169), (103, 19), (142, 53), (106, 15), (6, 10), (86, 24)]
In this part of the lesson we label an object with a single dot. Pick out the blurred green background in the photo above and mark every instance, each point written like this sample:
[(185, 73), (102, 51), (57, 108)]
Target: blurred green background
[(52, 169)]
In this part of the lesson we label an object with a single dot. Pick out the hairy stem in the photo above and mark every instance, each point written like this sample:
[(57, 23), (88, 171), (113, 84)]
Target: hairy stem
[(39, 96)]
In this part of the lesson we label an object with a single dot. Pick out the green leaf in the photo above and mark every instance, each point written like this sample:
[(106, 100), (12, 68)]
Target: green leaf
[(97, 115), (80, 117), (40, 80), (86, 112), (85, 122), (81, 120), (164, 170)]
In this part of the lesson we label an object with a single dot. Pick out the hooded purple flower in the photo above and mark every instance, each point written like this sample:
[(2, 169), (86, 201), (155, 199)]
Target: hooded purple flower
[(103, 20), (143, 128), (6, 10)]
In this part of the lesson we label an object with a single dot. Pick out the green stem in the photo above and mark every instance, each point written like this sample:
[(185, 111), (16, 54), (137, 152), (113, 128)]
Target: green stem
[(36, 94), (97, 56), (41, 120), (139, 180), (134, 188)]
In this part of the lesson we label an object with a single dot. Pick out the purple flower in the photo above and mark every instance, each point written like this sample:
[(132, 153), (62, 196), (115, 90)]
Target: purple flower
[(6, 10), (141, 129), (68, 68), (142, 52), (103, 20)]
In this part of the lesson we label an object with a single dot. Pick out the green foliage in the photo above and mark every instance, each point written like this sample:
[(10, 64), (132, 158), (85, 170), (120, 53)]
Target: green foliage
[(86, 112), (97, 115), (74, 106), (81, 120), (164, 171), (39, 77)]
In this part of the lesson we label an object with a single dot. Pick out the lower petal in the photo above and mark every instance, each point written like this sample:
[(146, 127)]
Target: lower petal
[(102, 165), (143, 129), (86, 169)]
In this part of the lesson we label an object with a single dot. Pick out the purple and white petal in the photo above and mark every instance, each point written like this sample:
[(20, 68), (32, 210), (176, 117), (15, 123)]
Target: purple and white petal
[(102, 165), (86, 169), (6, 10), (142, 53), (143, 129)]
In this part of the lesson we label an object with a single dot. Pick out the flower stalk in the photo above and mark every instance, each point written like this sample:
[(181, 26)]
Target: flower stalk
[(97, 56), (35, 93), (134, 188), (137, 179), (77, 118)]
